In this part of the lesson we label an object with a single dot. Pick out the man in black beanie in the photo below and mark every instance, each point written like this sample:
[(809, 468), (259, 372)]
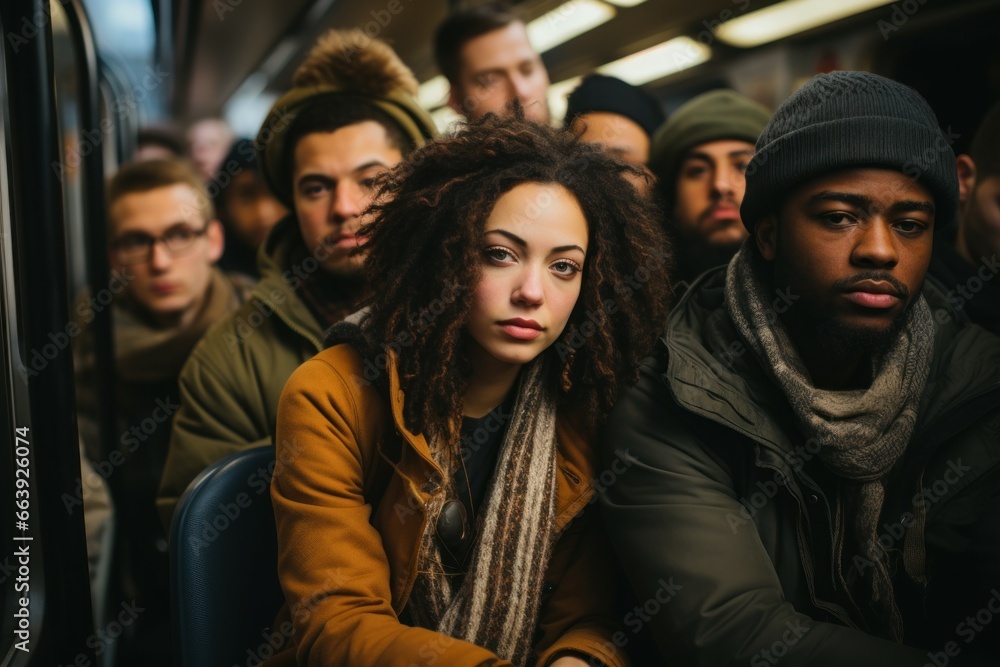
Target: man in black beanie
[(967, 256), (615, 114), (816, 454)]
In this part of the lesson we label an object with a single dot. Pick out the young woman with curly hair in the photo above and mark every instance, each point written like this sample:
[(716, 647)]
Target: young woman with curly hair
[(434, 471)]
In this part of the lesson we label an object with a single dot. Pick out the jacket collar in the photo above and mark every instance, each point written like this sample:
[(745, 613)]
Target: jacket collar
[(278, 283)]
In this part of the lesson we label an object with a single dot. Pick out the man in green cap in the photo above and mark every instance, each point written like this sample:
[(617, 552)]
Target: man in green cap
[(700, 158), (351, 115)]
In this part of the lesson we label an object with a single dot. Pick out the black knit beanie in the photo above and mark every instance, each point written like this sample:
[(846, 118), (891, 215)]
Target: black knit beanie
[(850, 120), (605, 93)]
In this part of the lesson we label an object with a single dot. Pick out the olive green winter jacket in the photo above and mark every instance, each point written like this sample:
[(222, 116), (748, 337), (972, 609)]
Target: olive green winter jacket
[(230, 385), (728, 502)]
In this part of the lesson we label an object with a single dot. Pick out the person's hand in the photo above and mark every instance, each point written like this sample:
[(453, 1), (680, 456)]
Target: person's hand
[(569, 661)]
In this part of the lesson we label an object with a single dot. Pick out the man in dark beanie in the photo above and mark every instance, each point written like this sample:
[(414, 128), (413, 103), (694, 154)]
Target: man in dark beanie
[(817, 455), (699, 157), (617, 115), (351, 115), (967, 256)]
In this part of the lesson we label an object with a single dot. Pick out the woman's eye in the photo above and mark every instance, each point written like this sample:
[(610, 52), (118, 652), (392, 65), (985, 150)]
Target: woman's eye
[(566, 267), (499, 254)]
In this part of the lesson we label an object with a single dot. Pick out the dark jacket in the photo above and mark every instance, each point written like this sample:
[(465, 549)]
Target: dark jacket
[(349, 501), (729, 499), (230, 385), (971, 289)]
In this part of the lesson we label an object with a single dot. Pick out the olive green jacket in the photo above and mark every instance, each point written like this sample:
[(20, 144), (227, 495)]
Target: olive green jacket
[(729, 499), (230, 385)]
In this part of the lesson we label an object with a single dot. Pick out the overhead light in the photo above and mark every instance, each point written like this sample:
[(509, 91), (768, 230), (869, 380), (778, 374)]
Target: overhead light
[(566, 22), (625, 3), (433, 92), (558, 92), (656, 62), (788, 18)]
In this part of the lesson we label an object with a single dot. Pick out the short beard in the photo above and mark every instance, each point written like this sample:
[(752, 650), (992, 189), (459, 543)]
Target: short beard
[(840, 339)]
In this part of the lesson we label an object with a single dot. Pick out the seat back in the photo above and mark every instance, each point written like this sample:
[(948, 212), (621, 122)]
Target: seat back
[(223, 564)]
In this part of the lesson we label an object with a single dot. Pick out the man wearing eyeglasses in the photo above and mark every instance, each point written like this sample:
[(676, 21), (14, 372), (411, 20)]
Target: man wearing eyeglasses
[(163, 243)]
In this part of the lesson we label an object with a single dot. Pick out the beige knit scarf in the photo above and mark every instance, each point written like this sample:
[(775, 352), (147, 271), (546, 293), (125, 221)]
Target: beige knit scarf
[(862, 432), (496, 606)]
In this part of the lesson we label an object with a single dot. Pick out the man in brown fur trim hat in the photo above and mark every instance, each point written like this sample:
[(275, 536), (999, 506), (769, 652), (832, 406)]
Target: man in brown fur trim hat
[(351, 115)]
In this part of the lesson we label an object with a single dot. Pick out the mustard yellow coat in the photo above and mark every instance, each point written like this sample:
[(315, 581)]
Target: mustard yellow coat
[(349, 492)]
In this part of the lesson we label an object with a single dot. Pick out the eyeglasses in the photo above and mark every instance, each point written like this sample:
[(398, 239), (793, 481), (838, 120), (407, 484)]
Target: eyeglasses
[(135, 248)]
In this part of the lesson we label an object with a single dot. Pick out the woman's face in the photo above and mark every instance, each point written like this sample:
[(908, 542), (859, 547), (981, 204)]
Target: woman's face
[(535, 245)]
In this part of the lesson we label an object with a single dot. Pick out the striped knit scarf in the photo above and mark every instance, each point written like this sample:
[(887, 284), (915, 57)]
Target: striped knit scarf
[(496, 606), (862, 432)]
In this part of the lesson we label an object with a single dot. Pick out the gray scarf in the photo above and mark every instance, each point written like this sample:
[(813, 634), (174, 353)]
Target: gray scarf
[(862, 432), (497, 604)]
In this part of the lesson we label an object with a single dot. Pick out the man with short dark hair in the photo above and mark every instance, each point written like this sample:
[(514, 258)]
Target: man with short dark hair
[(967, 259), (351, 116), (817, 456), (699, 157), (485, 54)]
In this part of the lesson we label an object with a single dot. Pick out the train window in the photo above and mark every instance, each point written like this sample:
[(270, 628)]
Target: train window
[(75, 142)]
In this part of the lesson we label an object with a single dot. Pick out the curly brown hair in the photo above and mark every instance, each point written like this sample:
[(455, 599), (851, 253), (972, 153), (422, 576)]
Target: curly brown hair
[(425, 248)]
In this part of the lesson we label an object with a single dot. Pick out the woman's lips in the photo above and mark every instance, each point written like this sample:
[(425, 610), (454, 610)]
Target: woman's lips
[(522, 329)]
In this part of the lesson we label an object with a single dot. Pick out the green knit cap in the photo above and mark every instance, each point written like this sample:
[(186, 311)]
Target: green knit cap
[(715, 116)]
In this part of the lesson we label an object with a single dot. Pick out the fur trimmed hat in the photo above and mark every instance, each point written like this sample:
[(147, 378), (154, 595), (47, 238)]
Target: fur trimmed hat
[(341, 63), (850, 120)]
